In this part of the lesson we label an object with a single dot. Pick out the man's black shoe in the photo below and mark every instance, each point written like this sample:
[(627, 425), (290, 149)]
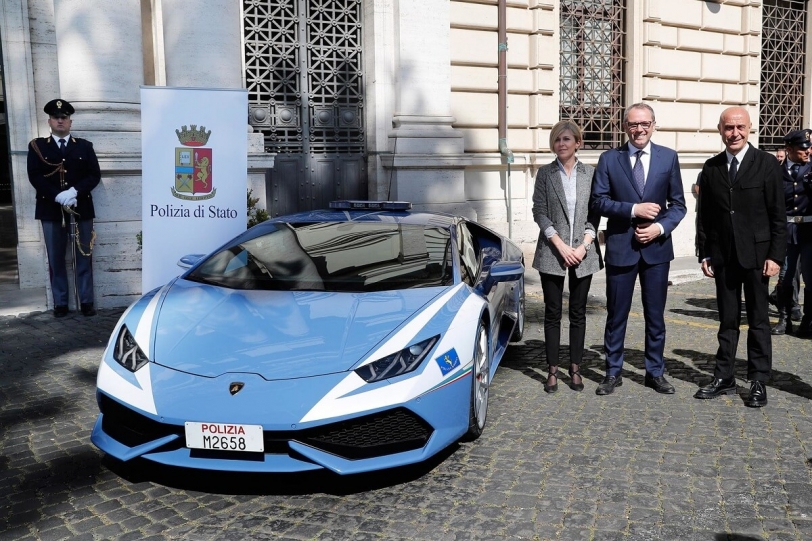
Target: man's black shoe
[(659, 384), (783, 326), (607, 386), (717, 387), (804, 328), (60, 310), (796, 313), (758, 395), (88, 310)]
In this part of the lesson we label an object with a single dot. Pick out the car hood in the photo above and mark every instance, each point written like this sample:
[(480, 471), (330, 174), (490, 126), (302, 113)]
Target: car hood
[(209, 331)]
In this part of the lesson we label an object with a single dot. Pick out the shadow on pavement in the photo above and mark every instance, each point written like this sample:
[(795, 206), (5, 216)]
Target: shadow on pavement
[(141, 470)]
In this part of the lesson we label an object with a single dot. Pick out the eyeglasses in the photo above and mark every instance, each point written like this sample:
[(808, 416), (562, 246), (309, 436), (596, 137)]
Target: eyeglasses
[(635, 125)]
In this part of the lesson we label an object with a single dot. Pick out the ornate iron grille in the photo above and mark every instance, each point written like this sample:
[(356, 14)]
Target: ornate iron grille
[(783, 46), (304, 74), (592, 69)]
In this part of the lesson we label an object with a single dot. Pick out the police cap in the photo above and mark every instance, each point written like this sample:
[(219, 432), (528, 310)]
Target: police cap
[(58, 107), (798, 138)]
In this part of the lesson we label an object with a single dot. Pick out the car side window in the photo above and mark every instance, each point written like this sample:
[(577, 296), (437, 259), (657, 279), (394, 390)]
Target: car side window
[(469, 255)]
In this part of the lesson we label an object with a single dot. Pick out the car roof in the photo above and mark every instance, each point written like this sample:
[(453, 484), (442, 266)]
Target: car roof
[(408, 217)]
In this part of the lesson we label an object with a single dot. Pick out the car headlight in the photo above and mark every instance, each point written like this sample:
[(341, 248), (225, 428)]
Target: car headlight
[(402, 362), (127, 353)]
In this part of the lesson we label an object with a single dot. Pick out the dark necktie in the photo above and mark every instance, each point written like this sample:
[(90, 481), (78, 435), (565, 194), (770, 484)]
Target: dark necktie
[(62, 146), (639, 174), (794, 170), (734, 168)]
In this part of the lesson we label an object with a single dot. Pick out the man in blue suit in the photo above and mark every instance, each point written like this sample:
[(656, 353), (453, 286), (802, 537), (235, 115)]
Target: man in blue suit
[(638, 187)]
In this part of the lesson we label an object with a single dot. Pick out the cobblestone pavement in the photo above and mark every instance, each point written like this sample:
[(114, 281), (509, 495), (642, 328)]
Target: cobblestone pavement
[(633, 466)]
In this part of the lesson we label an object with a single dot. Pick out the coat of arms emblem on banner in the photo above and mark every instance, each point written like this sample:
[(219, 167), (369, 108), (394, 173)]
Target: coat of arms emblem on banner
[(193, 165)]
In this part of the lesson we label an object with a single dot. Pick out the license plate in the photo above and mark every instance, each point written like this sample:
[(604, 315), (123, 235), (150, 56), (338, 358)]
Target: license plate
[(225, 437)]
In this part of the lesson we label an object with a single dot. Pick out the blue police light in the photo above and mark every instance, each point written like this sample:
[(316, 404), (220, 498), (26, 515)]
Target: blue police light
[(348, 204)]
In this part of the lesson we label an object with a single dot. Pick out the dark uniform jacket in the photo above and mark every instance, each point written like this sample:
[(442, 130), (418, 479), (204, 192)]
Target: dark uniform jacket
[(81, 171), (798, 198), (746, 221)]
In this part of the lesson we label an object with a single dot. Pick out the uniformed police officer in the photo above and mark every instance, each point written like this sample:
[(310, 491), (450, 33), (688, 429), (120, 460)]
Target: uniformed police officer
[(64, 170), (798, 196)]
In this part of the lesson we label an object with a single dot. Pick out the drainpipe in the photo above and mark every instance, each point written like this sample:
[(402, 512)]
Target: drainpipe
[(506, 153)]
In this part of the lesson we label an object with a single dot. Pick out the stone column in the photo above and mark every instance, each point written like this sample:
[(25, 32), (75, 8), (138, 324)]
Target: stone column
[(100, 56), (202, 44), (428, 154)]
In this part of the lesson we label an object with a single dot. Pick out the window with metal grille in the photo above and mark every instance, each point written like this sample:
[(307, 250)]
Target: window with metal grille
[(592, 69), (783, 46)]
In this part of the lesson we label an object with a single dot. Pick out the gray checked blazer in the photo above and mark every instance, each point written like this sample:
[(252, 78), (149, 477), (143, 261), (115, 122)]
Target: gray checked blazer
[(550, 208)]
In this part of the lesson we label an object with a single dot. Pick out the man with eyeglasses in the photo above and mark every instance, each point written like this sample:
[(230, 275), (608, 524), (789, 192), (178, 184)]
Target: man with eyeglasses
[(638, 187), (741, 241), (64, 170)]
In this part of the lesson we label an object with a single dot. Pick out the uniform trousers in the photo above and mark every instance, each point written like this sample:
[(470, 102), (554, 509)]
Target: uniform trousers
[(57, 241)]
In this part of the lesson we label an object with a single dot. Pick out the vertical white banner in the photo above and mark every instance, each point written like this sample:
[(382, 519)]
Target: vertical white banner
[(194, 145)]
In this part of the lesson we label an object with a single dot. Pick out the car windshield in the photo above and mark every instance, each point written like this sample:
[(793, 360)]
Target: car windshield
[(334, 256)]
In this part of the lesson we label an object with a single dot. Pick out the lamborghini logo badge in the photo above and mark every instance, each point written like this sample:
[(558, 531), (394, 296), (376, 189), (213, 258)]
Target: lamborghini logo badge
[(235, 387)]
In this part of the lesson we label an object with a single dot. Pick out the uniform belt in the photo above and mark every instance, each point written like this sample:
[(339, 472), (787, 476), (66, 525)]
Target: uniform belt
[(799, 219)]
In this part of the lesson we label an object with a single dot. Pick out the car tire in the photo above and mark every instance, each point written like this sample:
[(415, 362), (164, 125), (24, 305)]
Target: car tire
[(518, 330), (480, 385)]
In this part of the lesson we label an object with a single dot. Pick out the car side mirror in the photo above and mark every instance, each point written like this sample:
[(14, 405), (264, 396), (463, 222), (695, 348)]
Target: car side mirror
[(502, 271), (188, 261)]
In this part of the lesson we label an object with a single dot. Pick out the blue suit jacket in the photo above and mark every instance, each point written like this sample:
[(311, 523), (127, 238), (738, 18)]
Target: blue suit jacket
[(614, 192)]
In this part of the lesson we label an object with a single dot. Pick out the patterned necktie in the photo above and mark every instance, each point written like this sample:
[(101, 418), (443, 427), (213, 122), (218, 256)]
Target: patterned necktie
[(639, 174), (734, 168), (62, 145), (794, 170)]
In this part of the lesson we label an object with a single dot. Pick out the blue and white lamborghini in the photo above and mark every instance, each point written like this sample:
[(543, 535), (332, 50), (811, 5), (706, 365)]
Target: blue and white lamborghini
[(352, 339)]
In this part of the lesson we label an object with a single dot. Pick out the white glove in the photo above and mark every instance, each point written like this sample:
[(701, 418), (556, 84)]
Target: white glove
[(70, 202), (63, 197)]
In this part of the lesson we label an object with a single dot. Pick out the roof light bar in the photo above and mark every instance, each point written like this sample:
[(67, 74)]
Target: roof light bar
[(348, 204)]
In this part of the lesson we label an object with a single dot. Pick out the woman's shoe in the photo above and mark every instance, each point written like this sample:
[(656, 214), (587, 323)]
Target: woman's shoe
[(554, 387), (576, 386)]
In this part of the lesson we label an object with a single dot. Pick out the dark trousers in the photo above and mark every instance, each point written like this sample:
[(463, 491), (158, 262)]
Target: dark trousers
[(797, 253), (730, 280), (653, 292), (553, 288), (57, 241)]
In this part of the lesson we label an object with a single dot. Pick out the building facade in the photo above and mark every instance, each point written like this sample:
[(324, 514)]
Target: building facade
[(445, 103)]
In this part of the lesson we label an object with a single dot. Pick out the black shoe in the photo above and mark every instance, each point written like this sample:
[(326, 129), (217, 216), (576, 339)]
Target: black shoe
[(60, 310), (758, 395), (576, 386), (796, 313), (607, 386), (783, 326), (88, 310), (554, 387), (659, 384), (717, 387), (804, 328)]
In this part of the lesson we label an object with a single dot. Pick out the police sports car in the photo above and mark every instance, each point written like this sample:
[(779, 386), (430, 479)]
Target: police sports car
[(352, 339)]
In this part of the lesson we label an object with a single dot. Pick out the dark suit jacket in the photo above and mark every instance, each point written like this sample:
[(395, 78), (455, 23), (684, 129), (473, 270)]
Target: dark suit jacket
[(798, 202), (81, 172), (745, 222), (614, 192)]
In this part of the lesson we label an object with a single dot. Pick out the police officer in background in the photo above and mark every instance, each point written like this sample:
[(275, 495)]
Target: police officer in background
[(64, 170), (798, 196)]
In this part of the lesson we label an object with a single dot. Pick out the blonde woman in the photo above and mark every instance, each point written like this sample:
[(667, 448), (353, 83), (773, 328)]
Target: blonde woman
[(566, 247)]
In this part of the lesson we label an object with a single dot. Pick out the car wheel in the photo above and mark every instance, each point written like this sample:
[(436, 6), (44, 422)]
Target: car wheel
[(518, 330), (480, 385)]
